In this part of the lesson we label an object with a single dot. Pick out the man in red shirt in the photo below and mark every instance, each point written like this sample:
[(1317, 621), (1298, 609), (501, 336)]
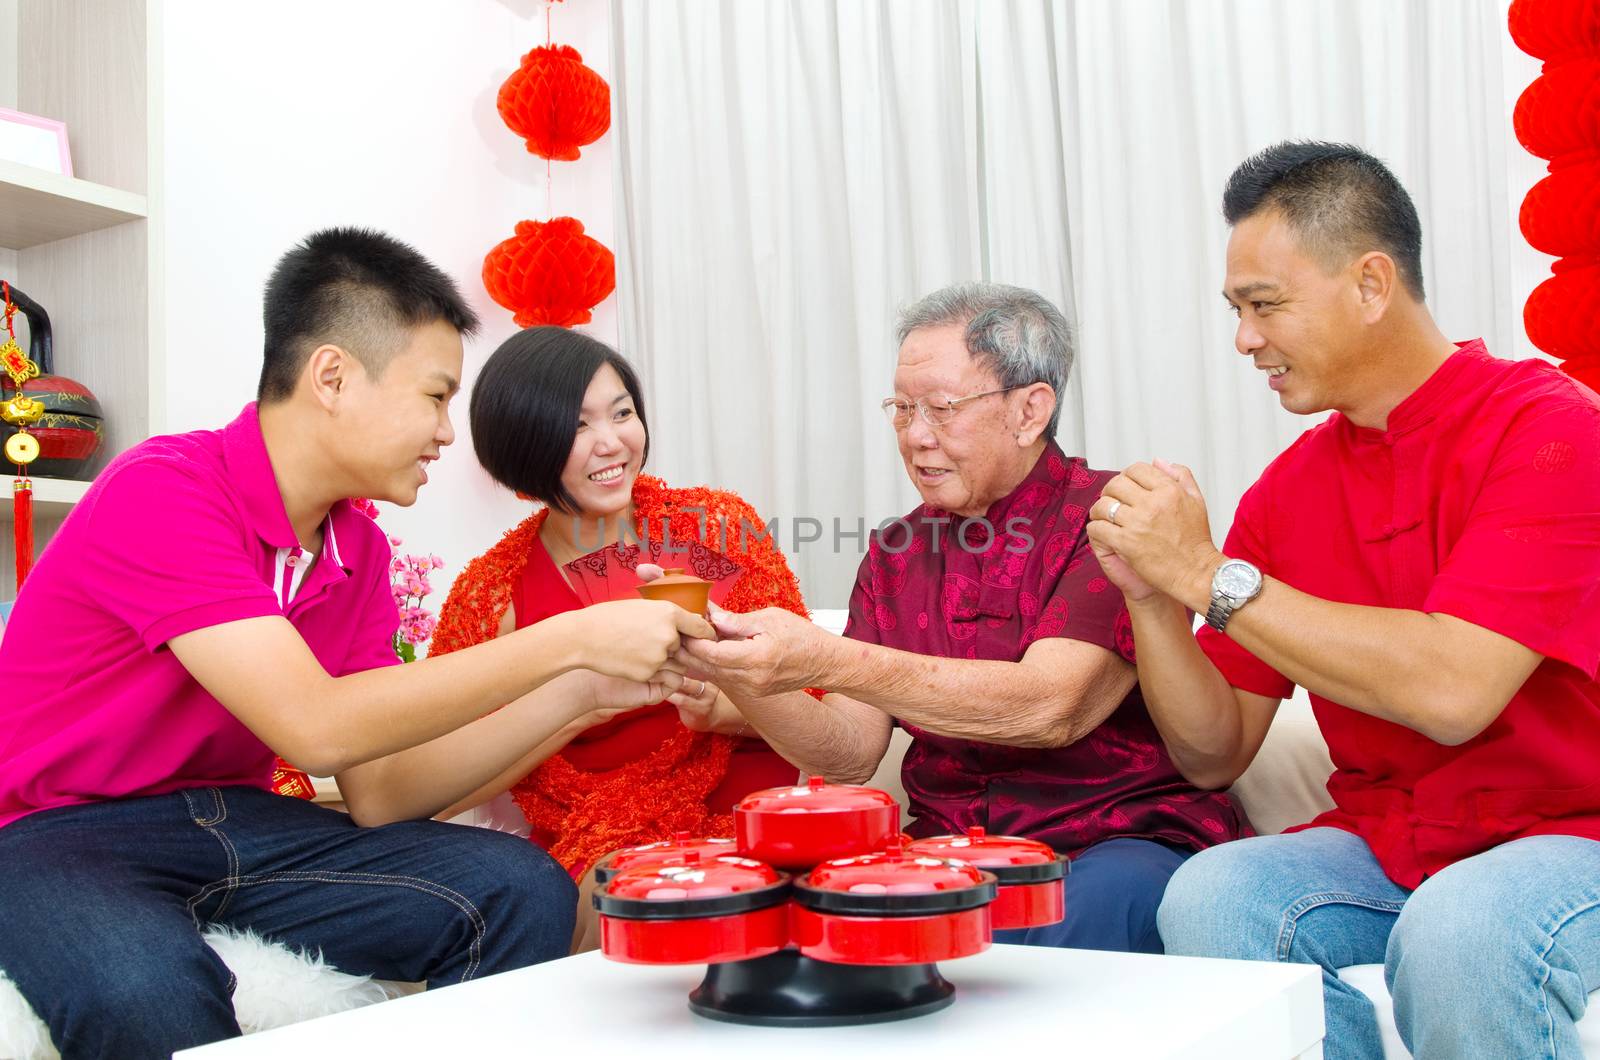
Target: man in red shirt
[(1426, 563)]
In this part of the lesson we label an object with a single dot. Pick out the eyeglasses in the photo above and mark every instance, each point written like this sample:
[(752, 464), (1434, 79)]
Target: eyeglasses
[(935, 412)]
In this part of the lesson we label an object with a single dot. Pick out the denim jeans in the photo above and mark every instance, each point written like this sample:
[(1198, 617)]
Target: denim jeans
[(1492, 957), (1112, 892), (101, 908)]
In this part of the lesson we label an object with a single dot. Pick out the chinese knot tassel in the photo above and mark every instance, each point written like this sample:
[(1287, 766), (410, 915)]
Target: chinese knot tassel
[(22, 526)]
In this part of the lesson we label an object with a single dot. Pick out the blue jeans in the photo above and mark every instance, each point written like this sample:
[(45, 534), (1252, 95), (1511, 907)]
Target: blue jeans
[(1113, 892), (101, 908), (1493, 957)]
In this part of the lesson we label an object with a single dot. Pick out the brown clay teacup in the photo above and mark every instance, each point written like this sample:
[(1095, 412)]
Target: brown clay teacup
[(688, 592)]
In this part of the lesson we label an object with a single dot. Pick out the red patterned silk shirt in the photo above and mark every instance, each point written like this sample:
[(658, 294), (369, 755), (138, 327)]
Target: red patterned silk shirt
[(1027, 574)]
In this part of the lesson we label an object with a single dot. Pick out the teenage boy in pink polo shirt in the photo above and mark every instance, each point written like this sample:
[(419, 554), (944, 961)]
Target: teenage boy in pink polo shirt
[(214, 599)]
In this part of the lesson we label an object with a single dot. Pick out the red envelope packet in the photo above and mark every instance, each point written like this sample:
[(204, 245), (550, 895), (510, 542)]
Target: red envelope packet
[(608, 574)]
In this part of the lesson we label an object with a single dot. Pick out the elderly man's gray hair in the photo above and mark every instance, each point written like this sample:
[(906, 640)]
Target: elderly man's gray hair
[(1016, 332)]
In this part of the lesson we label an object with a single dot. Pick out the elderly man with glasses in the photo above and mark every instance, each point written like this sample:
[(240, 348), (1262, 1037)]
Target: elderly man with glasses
[(982, 624)]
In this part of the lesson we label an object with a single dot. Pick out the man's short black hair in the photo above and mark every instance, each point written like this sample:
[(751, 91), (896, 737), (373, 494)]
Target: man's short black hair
[(1340, 201), (527, 402), (358, 289)]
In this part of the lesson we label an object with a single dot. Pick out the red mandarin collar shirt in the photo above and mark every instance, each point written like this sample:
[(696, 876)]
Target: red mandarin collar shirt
[(1480, 500), (1033, 577)]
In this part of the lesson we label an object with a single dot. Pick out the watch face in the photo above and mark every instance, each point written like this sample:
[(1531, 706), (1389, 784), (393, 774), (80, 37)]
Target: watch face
[(1238, 579)]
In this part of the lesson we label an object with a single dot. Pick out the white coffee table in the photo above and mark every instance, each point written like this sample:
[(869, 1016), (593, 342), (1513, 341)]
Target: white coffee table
[(1087, 1003)]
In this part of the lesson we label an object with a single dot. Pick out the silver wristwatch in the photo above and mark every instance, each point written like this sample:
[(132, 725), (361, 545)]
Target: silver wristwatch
[(1235, 584)]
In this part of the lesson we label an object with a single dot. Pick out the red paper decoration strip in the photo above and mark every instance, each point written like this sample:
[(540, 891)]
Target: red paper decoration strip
[(550, 273), (1558, 118), (555, 103)]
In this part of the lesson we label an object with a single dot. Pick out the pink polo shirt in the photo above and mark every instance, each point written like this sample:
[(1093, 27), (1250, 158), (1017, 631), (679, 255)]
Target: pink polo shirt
[(177, 534)]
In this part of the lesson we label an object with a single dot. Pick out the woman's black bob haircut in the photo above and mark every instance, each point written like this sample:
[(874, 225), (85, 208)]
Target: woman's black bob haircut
[(527, 402)]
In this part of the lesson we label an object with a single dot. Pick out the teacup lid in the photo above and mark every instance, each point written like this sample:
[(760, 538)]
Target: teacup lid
[(816, 796), (894, 882), (676, 576), (692, 887), (661, 853), (1012, 859)]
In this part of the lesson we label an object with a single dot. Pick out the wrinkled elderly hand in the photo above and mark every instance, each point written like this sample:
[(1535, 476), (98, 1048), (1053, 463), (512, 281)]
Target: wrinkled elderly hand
[(1160, 538), (762, 653)]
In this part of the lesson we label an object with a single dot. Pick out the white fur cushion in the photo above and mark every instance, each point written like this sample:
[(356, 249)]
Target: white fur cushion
[(276, 987)]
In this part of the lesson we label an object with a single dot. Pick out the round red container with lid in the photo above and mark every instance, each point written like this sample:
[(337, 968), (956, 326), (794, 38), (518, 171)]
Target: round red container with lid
[(1030, 875), (797, 827), (663, 853), (694, 911), (892, 907)]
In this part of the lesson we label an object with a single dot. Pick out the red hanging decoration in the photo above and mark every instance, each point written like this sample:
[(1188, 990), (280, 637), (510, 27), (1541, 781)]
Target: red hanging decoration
[(1563, 316), (550, 273), (22, 533), (555, 103), (1556, 30), (1558, 118), (21, 448), (1561, 214)]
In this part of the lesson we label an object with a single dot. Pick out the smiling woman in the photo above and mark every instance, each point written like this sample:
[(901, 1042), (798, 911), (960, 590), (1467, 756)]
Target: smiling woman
[(559, 418)]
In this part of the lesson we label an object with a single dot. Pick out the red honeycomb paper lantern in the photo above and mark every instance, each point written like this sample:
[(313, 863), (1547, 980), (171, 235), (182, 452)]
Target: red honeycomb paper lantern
[(555, 103), (1558, 118), (1561, 214), (1556, 30), (550, 273), (1563, 317)]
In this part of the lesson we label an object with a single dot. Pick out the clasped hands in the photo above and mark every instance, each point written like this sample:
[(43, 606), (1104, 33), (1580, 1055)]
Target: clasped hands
[(1151, 534)]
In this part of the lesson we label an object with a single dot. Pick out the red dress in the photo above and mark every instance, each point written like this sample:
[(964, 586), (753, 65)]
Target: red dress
[(641, 776)]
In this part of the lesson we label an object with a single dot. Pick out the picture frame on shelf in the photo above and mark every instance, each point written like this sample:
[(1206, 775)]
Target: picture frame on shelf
[(32, 140)]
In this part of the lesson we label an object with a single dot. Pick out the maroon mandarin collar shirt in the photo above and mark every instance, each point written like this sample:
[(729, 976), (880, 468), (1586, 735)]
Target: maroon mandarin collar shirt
[(1032, 576)]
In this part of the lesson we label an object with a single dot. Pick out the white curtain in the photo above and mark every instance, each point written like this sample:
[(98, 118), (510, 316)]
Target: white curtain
[(792, 172), (787, 174)]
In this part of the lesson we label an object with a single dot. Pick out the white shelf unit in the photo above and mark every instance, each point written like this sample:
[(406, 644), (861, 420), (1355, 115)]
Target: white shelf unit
[(87, 248), (37, 206)]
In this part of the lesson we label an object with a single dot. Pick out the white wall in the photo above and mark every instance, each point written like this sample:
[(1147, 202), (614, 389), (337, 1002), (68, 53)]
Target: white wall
[(286, 117)]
